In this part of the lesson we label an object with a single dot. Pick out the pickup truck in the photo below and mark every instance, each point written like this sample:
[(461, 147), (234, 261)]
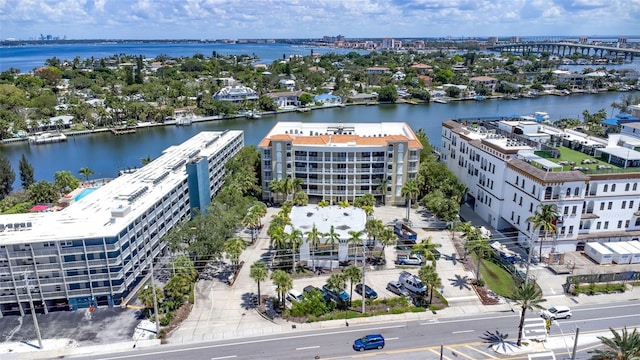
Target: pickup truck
[(405, 233), (409, 259), (341, 297)]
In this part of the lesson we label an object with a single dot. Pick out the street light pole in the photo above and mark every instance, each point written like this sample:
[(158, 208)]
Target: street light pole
[(155, 301), (33, 311), (364, 266)]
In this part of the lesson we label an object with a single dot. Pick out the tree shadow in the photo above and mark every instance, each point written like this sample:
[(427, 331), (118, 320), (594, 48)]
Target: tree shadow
[(453, 258), (493, 338), (249, 300), (460, 282)]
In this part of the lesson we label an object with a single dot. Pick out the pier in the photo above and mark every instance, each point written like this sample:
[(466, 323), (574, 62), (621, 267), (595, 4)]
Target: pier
[(122, 131), (566, 48)]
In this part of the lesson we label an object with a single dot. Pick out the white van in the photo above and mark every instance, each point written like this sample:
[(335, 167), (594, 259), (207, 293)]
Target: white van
[(556, 312), (412, 283), (294, 295)]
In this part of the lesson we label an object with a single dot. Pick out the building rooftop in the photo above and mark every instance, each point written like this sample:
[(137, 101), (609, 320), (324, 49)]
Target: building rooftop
[(343, 219), (105, 211), (338, 134)]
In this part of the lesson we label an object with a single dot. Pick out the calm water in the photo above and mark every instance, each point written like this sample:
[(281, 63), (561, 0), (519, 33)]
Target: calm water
[(28, 57), (105, 153)]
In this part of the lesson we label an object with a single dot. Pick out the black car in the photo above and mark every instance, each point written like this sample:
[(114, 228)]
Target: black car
[(369, 293)]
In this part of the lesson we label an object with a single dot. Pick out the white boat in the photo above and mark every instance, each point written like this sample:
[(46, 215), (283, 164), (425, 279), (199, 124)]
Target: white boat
[(47, 138), (184, 120), (253, 114), (440, 101)]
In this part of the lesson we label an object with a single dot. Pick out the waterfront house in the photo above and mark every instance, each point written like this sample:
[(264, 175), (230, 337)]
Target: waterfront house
[(286, 99), (422, 68), (377, 70), (236, 94), (327, 99), (288, 84), (486, 81)]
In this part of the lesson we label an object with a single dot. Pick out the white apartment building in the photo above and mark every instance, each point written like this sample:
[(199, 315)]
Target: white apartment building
[(99, 248), (507, 181), (338, 161)]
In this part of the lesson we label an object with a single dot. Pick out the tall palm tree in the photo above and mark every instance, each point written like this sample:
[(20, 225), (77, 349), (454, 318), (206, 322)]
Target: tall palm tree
[(336, 282), (429, 276), (427, 250), (296, 185), (313, 239), (278, 237), (85, 172), (410, 190), (545, 220), (294, 240), (283, 283), (529, 297), (354, 275), (623, 346), (259, 273), (382, 188), (233, 248), (252, 221), (332, 237), (387, 237), (479, 246), (276, 187), (355, 239)]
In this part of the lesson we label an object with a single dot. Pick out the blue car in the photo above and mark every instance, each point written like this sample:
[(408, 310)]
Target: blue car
[(372, 341), (369, 293)]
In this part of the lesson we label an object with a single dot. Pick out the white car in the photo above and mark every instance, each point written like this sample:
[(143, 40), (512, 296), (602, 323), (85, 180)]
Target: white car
[(556, 312), (294, 295)]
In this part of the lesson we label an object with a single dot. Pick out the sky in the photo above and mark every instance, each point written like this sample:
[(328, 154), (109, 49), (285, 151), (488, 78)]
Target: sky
[(278, 19)]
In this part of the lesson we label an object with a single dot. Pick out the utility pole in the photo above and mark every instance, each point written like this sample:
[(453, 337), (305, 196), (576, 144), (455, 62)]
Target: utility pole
[(364, 266), (526, 274), (155, 301), (575, 345), (33, 310)]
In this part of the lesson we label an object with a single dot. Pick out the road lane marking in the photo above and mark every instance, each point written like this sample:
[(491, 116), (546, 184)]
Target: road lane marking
[(462, 331), (224, 357), (395, 338), (486, 354), (308, 347)]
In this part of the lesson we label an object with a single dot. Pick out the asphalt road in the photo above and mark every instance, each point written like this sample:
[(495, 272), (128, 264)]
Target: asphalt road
[(462, 338)]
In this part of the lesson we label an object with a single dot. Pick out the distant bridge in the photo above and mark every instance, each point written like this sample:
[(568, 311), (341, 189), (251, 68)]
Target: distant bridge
[(566, 48)]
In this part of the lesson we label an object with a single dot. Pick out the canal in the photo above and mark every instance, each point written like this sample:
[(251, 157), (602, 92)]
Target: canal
[(106, 154)]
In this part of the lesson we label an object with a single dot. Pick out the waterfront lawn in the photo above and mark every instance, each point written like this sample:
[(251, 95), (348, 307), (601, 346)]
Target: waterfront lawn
[(575, 158)]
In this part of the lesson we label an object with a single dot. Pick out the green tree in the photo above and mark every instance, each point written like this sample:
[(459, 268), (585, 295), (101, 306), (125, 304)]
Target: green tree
[(410, 191), (336, 282), (355, 239), (624, 345), (146, 295), (427, 250), (354, 275), (544, 219), (283, 283), (183, 266), (26, 172), (294, 239), (233, 248), (332, 238), (7, 176), (387, 237), (388, 93), (529, 297), (594, 122), (382, 188), (43, 192), (429, 277), (85, 172), (259, 273), (305, 99), (65, 181), (313, 239), (145, 160), (477, 245), (177, 287)]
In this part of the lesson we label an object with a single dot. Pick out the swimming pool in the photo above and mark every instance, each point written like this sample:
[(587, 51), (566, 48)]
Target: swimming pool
[(84, 193)]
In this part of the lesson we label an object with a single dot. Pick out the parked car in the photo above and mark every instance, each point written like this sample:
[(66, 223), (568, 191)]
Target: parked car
[(310, 288), (409, 259), (341, 297), (368, 342), (294, 295), (397, 288), (369, 293), (412, 283), (556, 312)]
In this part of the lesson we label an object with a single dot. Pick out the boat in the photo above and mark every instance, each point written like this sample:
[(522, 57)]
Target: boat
[(440, 101), (479, 98), (184, 120), (47, 138), (253, 114)]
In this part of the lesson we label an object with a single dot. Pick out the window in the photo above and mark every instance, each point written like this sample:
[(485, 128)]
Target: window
[(631, 204), (574, 210), (601, 206), (613, 187), (568, 192), (619, 224), (626, 187), (626, 224), (635, 186), (518, 222), (598, 225), (576, 192), (606, 188), (512, 215), (562, 230), (571, 230), (624, 204), (610, 205), (520, 202), (514, 197), (531, 207), (606, 225), (566, 210)]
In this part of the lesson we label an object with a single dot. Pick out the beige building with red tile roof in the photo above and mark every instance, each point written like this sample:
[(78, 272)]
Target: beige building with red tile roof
[(337, 161)]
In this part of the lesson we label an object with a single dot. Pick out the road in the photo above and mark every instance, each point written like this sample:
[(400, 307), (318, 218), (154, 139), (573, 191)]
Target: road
[(461, 337)]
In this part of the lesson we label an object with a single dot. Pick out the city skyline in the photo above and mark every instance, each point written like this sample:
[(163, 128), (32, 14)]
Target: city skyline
[(229, 19)]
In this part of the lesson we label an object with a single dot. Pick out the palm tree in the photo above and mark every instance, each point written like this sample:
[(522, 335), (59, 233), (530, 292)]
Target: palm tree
[(336, 282), (233, 248), (478, 246), (355, 239), (545, 220), (410, 190), (313, 239), (283, 283), (623, 346), (259, 273), (278, 237), (85, 172), (374, 227), (427, 250), (529, 297), (430, 277), (382, 188), (296, 185), (146, 295), (145, 160), (65, 181), (252, 221), (294, 240), (275, 186), (332, 237), (387, 237), (354, 275)]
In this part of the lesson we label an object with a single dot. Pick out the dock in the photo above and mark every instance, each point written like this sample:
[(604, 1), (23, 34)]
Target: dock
[(122, 131)]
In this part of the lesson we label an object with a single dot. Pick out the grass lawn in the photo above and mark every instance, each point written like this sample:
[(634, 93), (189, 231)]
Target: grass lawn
[(575, 158), (497, 279)]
